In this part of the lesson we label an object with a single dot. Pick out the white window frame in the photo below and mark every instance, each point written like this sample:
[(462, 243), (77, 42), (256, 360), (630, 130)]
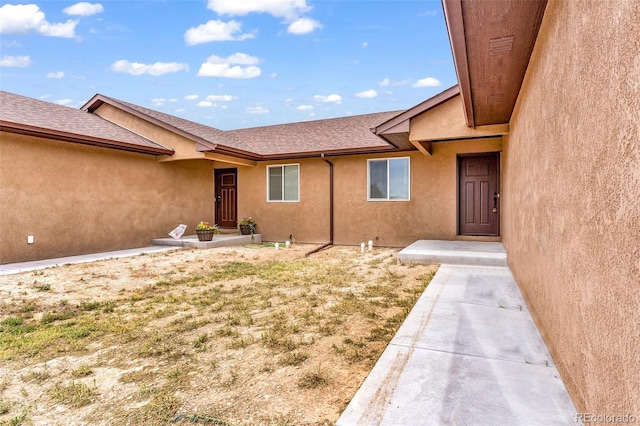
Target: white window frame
[(282, 166), (369, 161)]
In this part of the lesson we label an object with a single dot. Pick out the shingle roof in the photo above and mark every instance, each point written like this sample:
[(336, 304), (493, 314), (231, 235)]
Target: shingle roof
[(350, 134), (344, 134), (31, 116), (295, 139), (208, 136)]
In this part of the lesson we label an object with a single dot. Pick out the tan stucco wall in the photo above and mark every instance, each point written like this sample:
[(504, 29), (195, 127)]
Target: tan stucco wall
[(431, 212), (79, 199), (446, 121), (183, 147), (572, 198)]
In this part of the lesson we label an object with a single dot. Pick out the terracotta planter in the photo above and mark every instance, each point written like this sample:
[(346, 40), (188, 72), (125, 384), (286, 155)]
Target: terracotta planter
[(245, 230), (204, 235)]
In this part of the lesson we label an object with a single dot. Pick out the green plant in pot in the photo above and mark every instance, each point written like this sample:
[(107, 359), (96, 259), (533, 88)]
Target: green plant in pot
[(247, 226), (205, 231)]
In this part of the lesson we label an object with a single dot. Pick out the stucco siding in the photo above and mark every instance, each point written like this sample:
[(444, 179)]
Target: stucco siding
[(571, 218), (183, 147), (446, 121), (430, 213), (78, 199)]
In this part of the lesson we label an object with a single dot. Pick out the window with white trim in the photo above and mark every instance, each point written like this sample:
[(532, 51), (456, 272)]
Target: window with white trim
[(283, 183), (388, 179)]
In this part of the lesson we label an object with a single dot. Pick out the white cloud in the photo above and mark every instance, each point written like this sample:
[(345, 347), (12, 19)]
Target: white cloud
[(388, 82), (66, 30), (220, 98), (84, 9), (65, 102), (205, 104), (304, 107), (8, 44), (367, 94), (15, 61), (365, 44), (427, 82), (25, 18), (303, 26), (337, 99), (288, 9), (215, 31), (231, 66), (429, 13), (56, 75), (159, 68), (158, 101), (191, 97), (257, 110)]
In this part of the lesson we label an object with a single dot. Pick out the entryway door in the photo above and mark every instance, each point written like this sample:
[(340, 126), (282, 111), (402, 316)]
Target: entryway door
[(226, 186), (479, 194)]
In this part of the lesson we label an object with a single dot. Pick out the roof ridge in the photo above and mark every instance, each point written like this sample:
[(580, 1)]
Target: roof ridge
[(345, 117)]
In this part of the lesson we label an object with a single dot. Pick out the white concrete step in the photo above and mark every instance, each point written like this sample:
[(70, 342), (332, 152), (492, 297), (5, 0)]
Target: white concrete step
[(455, 252), (220, 240)]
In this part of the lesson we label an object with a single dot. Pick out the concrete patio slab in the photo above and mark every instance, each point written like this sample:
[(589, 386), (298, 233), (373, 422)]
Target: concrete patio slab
[(468, 353), (454, 252), (220, 240)]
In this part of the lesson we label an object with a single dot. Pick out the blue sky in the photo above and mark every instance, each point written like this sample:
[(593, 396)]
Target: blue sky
[(229, 63)]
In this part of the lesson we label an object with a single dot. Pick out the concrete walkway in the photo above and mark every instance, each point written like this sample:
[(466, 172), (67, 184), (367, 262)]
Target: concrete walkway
[(469, 353), (160, 245), (14, 268)]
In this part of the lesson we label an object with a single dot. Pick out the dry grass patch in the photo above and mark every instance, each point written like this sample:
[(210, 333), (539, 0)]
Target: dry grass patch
[(233, 336)]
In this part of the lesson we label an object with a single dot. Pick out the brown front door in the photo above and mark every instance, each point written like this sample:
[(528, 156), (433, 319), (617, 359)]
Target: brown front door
[(226, 197), (478, 203)]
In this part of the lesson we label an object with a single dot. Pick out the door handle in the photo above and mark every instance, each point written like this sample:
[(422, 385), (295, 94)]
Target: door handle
[(495, 202)]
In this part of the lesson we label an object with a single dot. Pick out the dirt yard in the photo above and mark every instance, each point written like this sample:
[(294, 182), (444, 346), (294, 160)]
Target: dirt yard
[(229, 336)]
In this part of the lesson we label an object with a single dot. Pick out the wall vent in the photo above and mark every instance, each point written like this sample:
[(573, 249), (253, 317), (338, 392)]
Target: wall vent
[(500, 45), (495, 99)]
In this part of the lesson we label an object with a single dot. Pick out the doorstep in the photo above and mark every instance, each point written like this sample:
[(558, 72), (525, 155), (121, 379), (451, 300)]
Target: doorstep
[(220, 240)]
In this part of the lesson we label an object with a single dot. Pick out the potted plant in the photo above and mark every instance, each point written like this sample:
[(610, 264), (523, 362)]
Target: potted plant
[(247, 226), (205, 231)]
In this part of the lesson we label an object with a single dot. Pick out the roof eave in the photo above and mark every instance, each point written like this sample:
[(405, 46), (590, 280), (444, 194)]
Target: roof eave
[(395, 131), (492, 43), (455, 27), (332, 153), (227, 150), (412, 112), (27, 130)]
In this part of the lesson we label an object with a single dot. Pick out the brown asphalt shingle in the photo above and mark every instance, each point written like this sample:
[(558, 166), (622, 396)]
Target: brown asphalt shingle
[(336, 134), (46, 116)]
